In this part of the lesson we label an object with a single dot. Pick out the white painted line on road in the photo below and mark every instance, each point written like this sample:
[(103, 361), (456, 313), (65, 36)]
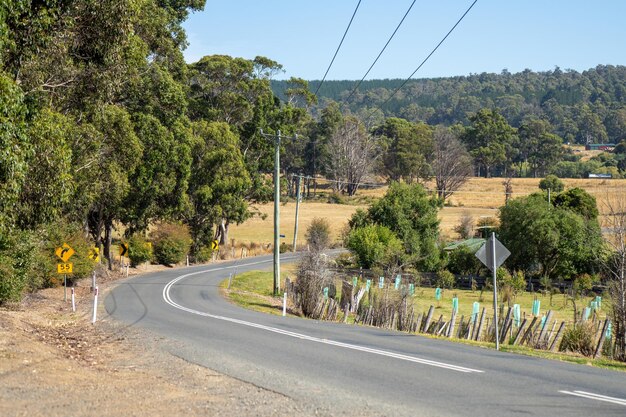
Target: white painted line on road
[(596, 397), (168, 300)]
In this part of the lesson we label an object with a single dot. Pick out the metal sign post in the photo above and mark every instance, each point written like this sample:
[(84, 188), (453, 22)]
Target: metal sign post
[(495, 288), (493, 254)]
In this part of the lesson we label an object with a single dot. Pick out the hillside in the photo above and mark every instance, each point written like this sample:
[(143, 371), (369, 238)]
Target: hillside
[(581, 106)]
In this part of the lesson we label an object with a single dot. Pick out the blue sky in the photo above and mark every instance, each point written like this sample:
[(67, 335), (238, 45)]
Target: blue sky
[(496, 34)]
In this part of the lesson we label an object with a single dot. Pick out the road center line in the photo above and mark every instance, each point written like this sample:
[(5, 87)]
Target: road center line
[(168, 300), (596, 397)]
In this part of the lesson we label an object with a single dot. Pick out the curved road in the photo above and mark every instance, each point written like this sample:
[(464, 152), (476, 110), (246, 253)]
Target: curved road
[(354, 370)]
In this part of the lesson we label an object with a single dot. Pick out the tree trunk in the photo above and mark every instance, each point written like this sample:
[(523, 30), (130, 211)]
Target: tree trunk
[(222, 233), (108, 231)]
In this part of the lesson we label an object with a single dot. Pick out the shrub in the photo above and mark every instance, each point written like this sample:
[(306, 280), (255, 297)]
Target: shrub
[(373, 244), (336, 198), (463, 261), (318, 234), (139, 250), (18, 254), (312, 276), (578, 338), (285, 247), (171, 243), (11, 284), (584, 283), (465, 228), (345, 260), (552, 183), (445, 279), (203, 254)]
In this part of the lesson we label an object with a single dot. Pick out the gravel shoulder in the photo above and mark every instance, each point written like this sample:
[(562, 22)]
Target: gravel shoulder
[(55, 363)]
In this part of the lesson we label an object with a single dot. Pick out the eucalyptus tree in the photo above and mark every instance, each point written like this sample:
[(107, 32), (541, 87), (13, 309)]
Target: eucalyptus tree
[(352, 155), (541, 148), (218, 184), (451, 163), (489, 139), (406, 149)]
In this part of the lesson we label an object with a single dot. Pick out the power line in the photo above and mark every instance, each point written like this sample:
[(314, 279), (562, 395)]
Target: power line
[(430, 54), (337, 51), (381, 52), (423, 62)]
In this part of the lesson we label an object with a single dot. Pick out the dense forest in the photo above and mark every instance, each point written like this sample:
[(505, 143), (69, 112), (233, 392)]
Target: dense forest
[(581, 107)]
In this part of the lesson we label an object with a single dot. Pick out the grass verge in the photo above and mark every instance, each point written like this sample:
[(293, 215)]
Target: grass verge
[(253, 290)]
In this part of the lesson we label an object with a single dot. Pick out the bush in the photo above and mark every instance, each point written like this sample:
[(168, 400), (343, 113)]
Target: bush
[(345, 260), (463, 261), (17, 257), (445, 279), (28, 262), (203, 255), (312, 276), (139, 250), (584, 283), (318, 235), (373, 244), (11, 283), (552, 183), (579, 338), (171, 243), (336, 198), (465, 228)]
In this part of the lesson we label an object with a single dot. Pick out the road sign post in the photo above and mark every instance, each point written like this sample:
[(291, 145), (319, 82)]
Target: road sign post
[(495, 288), (493, 254), (64, 253)]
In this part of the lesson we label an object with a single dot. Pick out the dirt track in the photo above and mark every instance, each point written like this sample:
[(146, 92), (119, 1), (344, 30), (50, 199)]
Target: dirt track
[(55, 363)]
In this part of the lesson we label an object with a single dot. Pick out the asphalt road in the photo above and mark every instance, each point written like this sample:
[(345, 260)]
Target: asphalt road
[(353, 370)]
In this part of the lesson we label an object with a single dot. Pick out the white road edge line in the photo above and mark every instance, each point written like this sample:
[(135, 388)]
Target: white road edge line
[(596, 397), (167, 298)]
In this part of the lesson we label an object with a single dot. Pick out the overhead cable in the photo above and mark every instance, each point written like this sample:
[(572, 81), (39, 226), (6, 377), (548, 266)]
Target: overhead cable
[(339, 47), (381, 52), (429, 55)]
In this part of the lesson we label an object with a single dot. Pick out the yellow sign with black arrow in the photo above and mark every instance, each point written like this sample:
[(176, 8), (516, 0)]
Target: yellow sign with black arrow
[(64, 252), (215, 245), (123, 249), (94, 254)]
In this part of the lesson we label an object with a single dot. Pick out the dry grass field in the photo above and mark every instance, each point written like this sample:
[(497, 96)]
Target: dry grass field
[(479, 197)]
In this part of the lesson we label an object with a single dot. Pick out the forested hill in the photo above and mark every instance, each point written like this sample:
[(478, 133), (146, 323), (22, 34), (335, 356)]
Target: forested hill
[(587, 106)]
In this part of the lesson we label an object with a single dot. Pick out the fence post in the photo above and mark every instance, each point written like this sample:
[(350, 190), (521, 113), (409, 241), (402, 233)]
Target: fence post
[(601, 339), (95, 306), (558, 334), (428, 318)]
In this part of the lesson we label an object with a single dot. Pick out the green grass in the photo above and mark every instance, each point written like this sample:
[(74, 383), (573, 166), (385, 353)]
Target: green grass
[(253, 290)]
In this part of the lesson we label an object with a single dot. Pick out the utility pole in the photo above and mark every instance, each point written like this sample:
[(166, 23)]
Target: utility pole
[(277, 138), (295, 228)]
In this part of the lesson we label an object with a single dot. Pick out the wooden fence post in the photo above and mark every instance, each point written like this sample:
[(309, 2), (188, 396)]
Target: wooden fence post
[(519, 332), (428, 319), (451, 327), (601, 339), (476, 335), (558, 334)]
